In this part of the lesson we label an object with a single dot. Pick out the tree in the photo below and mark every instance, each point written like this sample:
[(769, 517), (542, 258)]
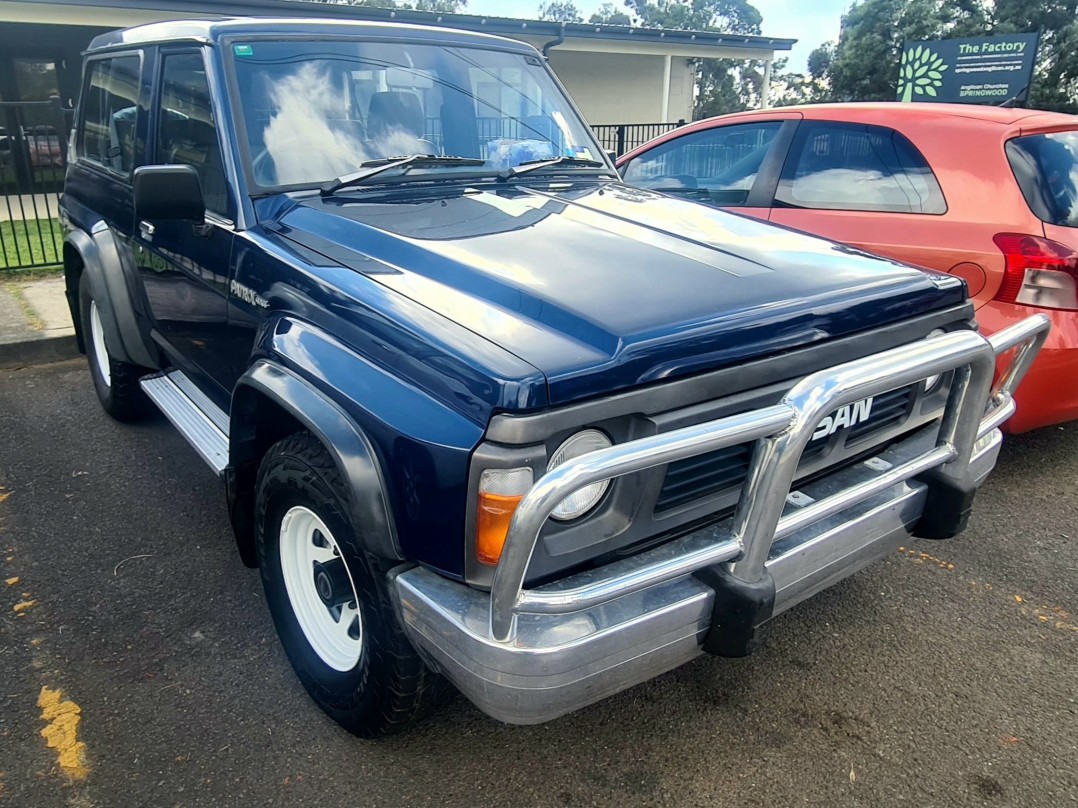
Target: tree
[(730, 16), (865, 62), (609, 15), (811, 87), (560, 11), (868, 63), (1055, 82), (439, 6)]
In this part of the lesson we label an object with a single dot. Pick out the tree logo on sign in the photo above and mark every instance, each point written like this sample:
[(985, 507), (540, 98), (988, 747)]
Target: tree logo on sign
[(920, 73)]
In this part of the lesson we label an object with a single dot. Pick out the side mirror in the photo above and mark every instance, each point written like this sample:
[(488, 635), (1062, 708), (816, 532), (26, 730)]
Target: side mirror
[(169, 192)]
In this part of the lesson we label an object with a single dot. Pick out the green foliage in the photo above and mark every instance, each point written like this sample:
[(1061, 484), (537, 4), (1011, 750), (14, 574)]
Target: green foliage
[(731, 16), (560, 11), (866, 58), (610, 15), (1055, 81), (439, 6), (866, 63)]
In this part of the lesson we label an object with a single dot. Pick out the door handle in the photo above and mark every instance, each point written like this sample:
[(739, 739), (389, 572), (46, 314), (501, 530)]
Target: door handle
[(146, 230)]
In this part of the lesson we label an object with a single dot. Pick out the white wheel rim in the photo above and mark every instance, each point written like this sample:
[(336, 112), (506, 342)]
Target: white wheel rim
[(307, 548), (101, 354)]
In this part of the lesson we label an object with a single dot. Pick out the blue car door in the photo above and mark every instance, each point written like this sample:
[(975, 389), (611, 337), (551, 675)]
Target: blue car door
[(185, 265)]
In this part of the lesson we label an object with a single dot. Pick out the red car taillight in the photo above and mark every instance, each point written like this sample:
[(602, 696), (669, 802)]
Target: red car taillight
[(1039, 272)]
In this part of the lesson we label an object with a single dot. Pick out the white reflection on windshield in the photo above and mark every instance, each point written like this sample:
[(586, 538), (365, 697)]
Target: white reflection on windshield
[(310, 135)]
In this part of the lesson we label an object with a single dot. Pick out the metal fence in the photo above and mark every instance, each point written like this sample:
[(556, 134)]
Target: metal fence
[(624, 137), (33, 150), (617, 137)]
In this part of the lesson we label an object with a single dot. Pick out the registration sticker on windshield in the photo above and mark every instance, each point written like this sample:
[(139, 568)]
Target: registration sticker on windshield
[(243, 50)]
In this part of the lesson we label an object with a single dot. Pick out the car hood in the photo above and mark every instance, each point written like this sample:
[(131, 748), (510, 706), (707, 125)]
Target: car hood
[(604, 286)]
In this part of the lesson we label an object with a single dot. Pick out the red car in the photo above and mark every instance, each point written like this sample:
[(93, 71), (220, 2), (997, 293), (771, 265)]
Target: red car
[(988, 194)]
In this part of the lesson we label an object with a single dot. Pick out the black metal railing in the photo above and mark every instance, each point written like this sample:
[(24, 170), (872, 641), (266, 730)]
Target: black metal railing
[(624, 137), (616, 137), (33, 154)]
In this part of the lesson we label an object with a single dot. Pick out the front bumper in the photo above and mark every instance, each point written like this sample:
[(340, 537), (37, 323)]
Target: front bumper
[(527, 656)]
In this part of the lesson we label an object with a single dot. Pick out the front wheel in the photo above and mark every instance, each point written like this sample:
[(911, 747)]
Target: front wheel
[(329, 600), (116, 382)]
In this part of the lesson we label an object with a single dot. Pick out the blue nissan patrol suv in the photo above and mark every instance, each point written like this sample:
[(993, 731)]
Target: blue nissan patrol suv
[(482, 412)]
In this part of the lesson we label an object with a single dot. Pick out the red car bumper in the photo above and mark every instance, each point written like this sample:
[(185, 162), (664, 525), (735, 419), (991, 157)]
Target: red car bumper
[(1049, 392)]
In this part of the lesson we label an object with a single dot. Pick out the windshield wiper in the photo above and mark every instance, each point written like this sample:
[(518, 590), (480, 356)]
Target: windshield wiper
[(535, 165), (374, 167)]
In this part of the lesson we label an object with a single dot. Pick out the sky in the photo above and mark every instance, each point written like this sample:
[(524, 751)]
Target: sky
[(811, 22)]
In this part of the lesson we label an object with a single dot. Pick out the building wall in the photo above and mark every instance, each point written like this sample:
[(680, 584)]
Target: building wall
[(608, 87), (624, 88)]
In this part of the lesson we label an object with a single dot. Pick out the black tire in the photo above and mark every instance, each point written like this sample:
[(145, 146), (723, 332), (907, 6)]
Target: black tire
[(120, 393), (389, 687)]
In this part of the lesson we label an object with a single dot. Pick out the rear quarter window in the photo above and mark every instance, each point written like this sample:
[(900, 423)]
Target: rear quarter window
[(1046, 167), (109, 111), (851, 166)]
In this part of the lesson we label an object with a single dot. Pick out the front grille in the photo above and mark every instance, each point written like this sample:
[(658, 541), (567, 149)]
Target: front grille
[(705, 475), (888, 409)]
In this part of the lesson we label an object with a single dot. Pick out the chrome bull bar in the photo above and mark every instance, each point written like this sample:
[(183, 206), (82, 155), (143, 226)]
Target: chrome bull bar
[(781, 432)]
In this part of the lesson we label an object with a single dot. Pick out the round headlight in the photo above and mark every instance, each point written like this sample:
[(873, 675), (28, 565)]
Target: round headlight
[(580, 502)]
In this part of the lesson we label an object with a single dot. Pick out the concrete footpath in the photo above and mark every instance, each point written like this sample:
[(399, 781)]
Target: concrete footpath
[(35, 322)]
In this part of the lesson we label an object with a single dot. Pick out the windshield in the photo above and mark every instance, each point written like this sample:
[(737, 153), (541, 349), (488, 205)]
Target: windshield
[(1046, 167), (316, 110)]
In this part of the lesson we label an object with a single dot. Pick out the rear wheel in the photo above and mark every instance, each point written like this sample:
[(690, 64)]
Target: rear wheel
[(116, 382), (330, 600)]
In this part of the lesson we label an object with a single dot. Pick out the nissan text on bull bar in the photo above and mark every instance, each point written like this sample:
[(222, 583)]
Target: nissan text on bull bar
[(483, 414)]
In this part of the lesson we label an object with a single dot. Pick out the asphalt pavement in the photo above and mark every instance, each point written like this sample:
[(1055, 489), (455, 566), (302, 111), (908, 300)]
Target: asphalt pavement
[(943, 675)]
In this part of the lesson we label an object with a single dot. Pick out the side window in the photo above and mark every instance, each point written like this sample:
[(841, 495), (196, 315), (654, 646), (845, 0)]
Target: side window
[(848, 166), (186, 132), (109, 111), (713, 165)]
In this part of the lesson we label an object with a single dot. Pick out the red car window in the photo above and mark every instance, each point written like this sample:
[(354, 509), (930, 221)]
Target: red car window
[(851, 166), (1046, 167), (718, 165)]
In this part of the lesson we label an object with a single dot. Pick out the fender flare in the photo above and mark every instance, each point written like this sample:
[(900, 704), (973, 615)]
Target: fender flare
[(351, 450), (103, 265)]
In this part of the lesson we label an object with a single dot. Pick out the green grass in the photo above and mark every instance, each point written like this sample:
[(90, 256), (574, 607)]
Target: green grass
[(30, 244)]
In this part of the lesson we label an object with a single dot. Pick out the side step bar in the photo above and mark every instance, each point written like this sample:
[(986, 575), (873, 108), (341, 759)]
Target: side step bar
[(201, 422)]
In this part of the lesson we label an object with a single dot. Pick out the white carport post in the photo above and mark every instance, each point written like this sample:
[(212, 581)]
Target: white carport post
[(667, 61), (765, 91)]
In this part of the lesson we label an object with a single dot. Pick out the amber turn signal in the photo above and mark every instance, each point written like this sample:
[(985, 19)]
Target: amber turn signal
[(500, 492), (495, 514)]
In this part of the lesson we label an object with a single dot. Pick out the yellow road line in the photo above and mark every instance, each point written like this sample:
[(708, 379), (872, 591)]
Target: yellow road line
[(61, 731)]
